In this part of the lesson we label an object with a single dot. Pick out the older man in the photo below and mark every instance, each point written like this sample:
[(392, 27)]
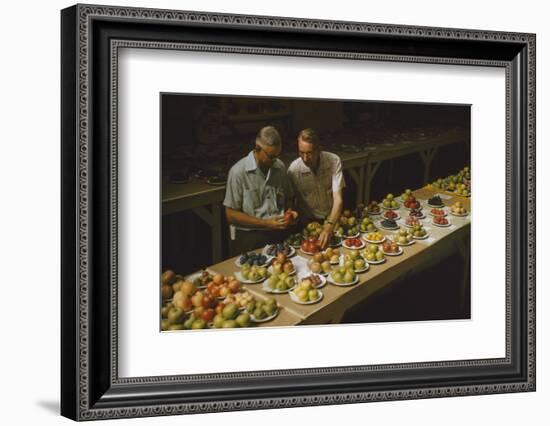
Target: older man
[(257, 194), (318, 181)]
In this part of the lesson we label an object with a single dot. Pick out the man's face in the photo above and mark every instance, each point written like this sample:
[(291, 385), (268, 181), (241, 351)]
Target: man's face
[(267, 155), (309, 153)]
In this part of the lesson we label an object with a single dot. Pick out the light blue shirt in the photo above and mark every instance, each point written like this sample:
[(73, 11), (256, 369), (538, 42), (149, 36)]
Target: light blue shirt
[(250, 191)]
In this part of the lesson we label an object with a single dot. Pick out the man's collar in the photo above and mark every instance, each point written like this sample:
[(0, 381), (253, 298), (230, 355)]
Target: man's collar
[(250, 162)]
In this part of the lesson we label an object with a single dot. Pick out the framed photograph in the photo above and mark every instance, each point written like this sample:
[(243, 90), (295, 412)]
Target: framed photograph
[(263, 212)]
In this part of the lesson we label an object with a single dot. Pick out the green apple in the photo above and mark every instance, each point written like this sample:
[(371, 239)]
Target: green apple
[(175, 315), (218, 321), (359, 264), (326, 265), (313, 294), (243, 320), (198, 324), (230, 311), (229, 324), (379, 256)]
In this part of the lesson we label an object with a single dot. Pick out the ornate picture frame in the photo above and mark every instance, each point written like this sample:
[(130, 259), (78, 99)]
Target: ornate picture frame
[(91, 386)]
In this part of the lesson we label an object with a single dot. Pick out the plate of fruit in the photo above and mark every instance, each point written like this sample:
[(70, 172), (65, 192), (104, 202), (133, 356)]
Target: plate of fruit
[(373, 254), (389, 224), (462, 190), (391, 248), (200, 279), (279, 283), (332, 255), (264, 310), (438, 212), (441, 221), (310, 246), (404, 237), (319, 268), (306, 295), (253, 258), (457, 209), (367, 225), (417, 213), (317, 280), (343, 277), (373, 209), (374, 237), (391, 214), (354, 261), (411, 221), (335, 241), (436, 202), (281, 264), (294, 240), (353, 243), (390, 203), (252, 274), (274, 249), (411, 203), (406, 194), (418, 232)]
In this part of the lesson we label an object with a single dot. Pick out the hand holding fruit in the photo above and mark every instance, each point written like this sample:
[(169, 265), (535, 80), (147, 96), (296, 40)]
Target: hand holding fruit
[(277, 223), (290, 216)]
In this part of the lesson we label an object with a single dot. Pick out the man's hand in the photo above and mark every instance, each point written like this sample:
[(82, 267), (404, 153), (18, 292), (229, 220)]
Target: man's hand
[(325, 235), (277, 223)]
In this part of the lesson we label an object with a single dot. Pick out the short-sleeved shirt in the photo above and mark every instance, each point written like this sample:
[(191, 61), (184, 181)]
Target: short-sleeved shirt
[(250, 191), (315, 190)]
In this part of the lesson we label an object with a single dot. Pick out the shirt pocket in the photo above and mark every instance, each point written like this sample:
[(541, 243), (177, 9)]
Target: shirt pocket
[(251, 201)]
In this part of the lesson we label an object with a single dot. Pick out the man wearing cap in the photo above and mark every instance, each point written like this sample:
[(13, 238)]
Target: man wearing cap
[(318, 181), (257, 194)]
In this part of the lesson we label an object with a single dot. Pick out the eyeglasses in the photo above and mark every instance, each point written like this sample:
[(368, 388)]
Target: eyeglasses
[(268, 155)]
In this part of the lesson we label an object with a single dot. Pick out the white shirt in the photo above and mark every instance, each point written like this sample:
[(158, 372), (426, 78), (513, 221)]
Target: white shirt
[(314, 191)]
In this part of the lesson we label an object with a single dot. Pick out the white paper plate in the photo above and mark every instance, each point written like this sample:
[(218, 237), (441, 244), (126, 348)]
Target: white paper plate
[(241, 279), (194, 276), (442, 226), (292, 252), (410, 243), (399, 253), (307, 274), (354, 248), (355, 281), (421, 238), (459, 215), (394, 218), (295, 299), (266, 319), (375, 242), (375, 262), (267, 289), (351, 236), (391, 208)]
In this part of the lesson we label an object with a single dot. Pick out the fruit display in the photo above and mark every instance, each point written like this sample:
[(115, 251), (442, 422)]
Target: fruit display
[(391, 214), (316, 281), (418, 232), (390, 202), (389, 224), (231, 317), (241, 299), (310, 246), (354, 261), (406, 194), (330, 254), (404, 237), (374, 237), (201, 279), (312, 229), (275, 249), (279, 283), (353, 243), (367, 225), (252, 274), (373, 208), (417, 213), (221, 286), (438, 212), (436, 201), (462, 190), (282, 264), (391, 248), (321, 267), (294, 240), (458, 209), (441, 221), (411, 221), (251, 259), (411, 202), (335, 241), (306, 293), (262, 310), (373, 254), (343, 276), (349, 225)]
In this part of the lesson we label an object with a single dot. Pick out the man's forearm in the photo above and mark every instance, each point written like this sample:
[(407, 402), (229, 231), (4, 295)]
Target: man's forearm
[(337, 207), (236, 217)]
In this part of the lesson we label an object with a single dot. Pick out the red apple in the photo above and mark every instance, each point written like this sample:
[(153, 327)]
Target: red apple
[(208, 315)]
